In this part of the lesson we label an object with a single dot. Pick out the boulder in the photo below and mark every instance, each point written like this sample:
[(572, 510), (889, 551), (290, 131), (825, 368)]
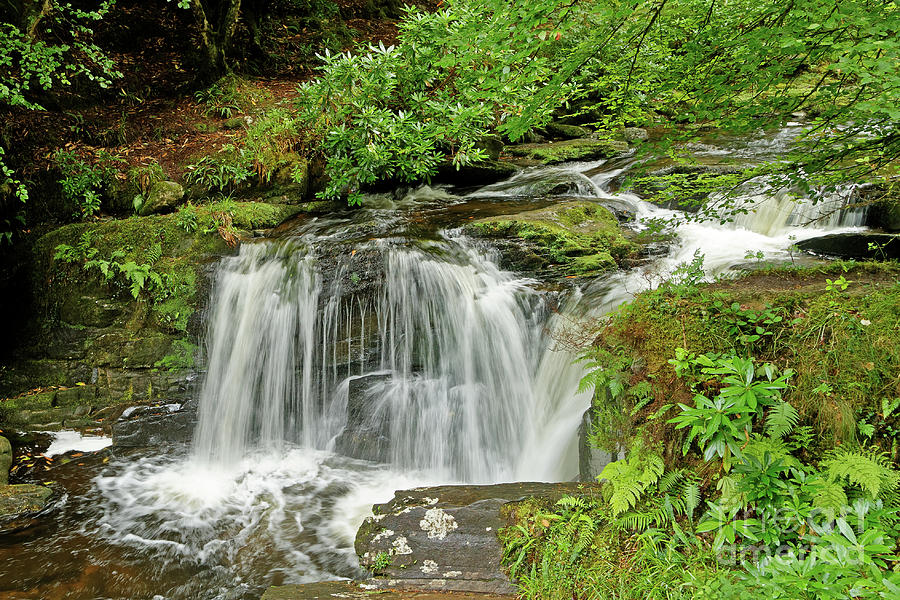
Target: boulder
[(5, 460), (445, 538), (154, 426), (881, 246), (566, 132), (558, 152), (635, 134), (19, 504), (164, 196)]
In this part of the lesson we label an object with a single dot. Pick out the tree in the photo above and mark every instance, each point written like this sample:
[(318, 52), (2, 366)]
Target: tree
[(44, 46), (217, 21)]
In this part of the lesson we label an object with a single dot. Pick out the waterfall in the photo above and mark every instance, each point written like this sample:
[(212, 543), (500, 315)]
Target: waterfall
[(447, 354)]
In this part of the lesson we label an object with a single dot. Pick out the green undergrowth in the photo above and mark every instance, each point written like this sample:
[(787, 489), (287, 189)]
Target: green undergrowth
[(581, 237), (758, 418)]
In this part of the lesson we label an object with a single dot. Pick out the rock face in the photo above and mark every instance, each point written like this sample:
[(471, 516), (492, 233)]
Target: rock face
[(445, 538), (5, 460), (164, 196), (364, 436), (635, 134), (854, 245)]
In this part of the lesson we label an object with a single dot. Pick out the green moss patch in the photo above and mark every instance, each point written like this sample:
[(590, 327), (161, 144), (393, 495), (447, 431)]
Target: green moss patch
[(581, 237)]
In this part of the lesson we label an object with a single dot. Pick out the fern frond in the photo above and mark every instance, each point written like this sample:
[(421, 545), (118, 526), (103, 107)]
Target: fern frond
[(831, 497), (781, 419), (870, 471), (154, 253)]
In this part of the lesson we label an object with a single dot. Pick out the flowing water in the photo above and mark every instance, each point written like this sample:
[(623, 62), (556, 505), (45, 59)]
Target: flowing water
[(353, 356)]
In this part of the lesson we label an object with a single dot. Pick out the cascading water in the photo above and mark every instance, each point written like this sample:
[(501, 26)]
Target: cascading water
[(424, 359), (455, 384)]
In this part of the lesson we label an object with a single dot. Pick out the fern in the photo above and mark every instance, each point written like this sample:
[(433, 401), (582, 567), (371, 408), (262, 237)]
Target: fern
[(154, 253), (830, 498), (781, 419), (630, 478), (871, 471)]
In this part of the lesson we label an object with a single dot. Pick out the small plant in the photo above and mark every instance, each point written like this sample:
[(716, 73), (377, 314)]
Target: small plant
[(221, 98), (81, 182), (382, 561), (222, 173), (721, 424), (187, 217)]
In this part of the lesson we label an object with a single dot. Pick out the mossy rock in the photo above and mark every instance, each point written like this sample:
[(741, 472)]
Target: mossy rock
[(581, 237), (23, 499), (557, 152)]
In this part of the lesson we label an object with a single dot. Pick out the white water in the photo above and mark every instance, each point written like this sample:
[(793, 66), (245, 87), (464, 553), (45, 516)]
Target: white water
[(451, 355)]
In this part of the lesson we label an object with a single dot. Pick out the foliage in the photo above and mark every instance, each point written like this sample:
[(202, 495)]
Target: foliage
[(223, 172), (81, 182), (137, 277), (720, 424), (630, 478), (395, 112)]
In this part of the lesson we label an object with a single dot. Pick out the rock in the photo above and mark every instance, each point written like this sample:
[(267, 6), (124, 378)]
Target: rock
[(635, 134), (581, 149), (19, 504), (5, 460), (591, 459), (492, 145), (445, 538), (366, 435), (289, 180), (154, 426), (566, 132), (884, 209), (483, 173), (329, 590), (854, 245), (236, 122), (164, 196), (90, 310)]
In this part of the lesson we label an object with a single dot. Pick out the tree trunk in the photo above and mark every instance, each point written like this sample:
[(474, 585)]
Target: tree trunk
[(217, 22)]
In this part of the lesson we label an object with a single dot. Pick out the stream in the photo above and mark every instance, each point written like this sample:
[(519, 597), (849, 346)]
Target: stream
[(352, 355)]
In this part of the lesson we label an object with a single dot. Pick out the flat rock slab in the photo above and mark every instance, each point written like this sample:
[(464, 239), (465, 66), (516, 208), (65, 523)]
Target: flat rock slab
[(444, 538), (20, 503), (358, 591)]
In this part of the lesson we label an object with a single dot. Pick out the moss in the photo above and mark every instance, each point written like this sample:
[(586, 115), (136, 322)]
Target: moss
[(558, 152), (844, 346), (583, 237)]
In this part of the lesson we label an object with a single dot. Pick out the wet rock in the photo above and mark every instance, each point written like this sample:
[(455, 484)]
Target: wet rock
[(154, 426), (445, 538), (483, 173), (5, 460), (558, 152), (492, 145), (328, 590), (591, 459), (635, 134), (884, 205), (20, 504), (164, 196), (881, 246), (366, 435), (566, 132)]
